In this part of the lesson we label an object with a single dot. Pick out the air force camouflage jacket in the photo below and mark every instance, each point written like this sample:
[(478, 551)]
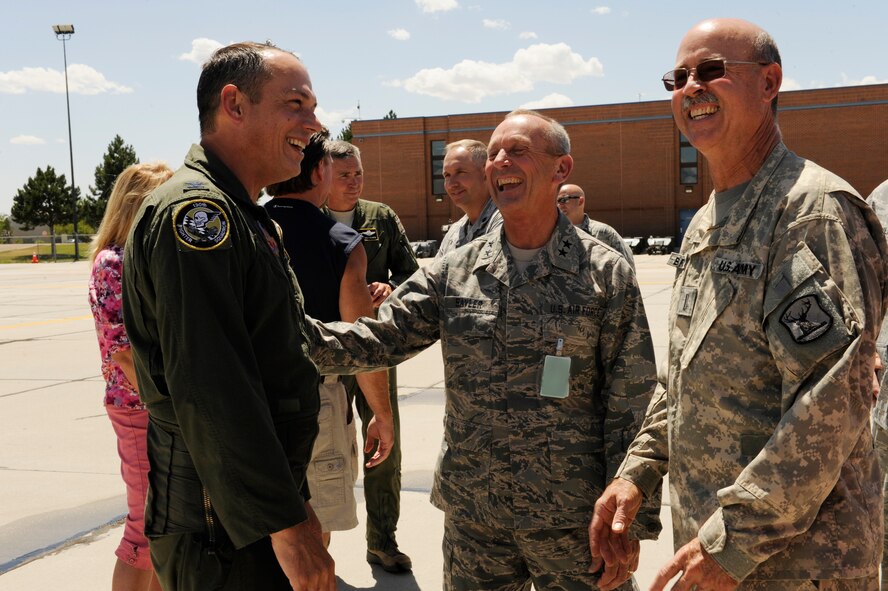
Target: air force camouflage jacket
[(510, 457)]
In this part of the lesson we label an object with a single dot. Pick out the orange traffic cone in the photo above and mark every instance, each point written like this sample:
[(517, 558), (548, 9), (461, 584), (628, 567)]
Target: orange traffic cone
[(34, 258)]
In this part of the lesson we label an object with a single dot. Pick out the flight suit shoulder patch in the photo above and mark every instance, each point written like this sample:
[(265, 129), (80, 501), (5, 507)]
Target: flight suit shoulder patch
[(201, 224)]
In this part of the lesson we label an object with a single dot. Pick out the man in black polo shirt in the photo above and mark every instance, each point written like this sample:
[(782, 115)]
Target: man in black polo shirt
[(331, 266)]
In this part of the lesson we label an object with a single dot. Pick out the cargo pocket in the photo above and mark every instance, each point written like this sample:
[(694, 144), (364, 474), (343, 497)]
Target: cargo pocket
[(328, 481), (464, 461), (467, 342), (705, 314), (577, 468), (175, 502)]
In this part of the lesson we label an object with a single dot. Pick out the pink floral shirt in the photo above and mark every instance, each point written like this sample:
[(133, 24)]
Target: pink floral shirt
[(105, 295)]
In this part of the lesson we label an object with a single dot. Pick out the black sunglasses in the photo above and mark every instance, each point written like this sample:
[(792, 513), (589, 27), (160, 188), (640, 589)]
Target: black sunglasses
[(567, 198), (706, 71)]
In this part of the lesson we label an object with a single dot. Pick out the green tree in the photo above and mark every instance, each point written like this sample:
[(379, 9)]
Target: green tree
[(390, 115), (44, 200), (115, 160), (345, 134), (5, 225)]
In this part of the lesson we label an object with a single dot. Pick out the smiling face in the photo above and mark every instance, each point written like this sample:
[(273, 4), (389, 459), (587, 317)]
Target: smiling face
[(348, 183), (523, 170), (464, 180), (279, 126), (730, 112)]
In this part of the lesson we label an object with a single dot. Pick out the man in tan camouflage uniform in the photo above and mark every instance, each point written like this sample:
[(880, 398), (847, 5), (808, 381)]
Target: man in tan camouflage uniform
[(548, 368), (878, 200), (763, 416)]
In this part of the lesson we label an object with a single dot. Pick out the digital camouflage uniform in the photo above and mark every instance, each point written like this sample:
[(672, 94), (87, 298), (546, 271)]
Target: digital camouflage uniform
[(764, 420), (514, 463), (215, 319), (607, 235), (462, 232), (878, 200), (390, 259)]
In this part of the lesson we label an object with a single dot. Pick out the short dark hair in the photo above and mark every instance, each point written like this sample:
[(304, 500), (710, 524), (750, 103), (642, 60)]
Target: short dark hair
[(313, 154), (241, 64)]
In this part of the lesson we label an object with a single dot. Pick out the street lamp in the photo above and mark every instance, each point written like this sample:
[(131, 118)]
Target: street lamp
[(63, 33)]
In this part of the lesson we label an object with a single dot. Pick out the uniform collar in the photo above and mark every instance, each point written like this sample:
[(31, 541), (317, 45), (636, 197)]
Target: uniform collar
[(207, 163), (729, 233), (563, 250)]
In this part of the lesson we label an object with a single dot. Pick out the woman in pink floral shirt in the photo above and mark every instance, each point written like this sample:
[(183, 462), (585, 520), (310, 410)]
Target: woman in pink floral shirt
[(128, 416)]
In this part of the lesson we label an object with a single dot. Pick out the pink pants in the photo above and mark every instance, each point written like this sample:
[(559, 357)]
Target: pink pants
[(130, 425)]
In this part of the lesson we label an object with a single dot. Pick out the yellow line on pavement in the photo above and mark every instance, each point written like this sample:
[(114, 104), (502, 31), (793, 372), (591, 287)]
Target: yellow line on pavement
[(45, 322)]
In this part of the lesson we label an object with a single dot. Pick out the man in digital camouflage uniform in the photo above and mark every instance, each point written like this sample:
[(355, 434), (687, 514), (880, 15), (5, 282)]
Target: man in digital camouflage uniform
[(215, 319), (549, 368), (763, 416), (878, 200), (390, 260), (465, 183), (572, 203)]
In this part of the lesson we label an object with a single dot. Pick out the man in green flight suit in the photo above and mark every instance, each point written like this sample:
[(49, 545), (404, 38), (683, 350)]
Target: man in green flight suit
[(390, 261), (215, 319)]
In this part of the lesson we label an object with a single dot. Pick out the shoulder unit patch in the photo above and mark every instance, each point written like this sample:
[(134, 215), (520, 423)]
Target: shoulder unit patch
[(806, 319), (201, 224)]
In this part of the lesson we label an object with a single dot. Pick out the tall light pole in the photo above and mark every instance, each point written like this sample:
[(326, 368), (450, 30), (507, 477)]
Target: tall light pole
[(63, 33)]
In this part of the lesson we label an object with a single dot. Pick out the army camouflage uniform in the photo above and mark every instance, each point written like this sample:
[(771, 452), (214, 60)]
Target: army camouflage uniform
[(390, 259), (607, 235), (215, 319), (878, 200), (462, 232), (764, 420), (524, 469)]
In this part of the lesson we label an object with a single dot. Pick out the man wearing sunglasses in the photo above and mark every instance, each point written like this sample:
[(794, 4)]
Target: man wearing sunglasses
[(572, 203), (762, 415)]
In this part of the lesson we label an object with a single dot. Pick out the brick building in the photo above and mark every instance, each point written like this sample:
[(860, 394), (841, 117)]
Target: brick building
[(638, 174)]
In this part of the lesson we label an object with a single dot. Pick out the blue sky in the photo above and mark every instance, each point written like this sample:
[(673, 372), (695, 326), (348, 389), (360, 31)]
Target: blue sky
[(133, 64)]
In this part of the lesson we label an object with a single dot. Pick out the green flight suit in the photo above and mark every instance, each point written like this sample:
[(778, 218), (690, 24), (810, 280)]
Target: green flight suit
[(390, 259), (215, 319)]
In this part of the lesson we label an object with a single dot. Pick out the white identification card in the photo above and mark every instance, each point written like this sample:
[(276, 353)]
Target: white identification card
[(556, 377)]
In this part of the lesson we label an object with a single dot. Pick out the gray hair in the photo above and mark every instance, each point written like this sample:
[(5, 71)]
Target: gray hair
[(341, 149), (764, 50), (477, 150), (559, 141)]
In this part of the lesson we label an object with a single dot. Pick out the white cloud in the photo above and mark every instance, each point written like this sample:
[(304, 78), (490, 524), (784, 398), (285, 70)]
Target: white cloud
[(527, 35), (865, 80), (496, 24), (470, 81), (790, 84), (549, 101), (27, 140), (399, 34), (437, 5), (201, 50), (81, 80), (335, 120), (601, 10)]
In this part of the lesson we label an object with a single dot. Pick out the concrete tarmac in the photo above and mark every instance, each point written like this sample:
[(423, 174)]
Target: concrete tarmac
[(61, 495)]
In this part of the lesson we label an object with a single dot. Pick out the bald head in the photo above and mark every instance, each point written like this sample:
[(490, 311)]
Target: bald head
[(572, 202)]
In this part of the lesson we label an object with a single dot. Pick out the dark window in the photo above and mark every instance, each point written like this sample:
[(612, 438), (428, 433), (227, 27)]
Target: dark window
[(437, 149), (687, 161)]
